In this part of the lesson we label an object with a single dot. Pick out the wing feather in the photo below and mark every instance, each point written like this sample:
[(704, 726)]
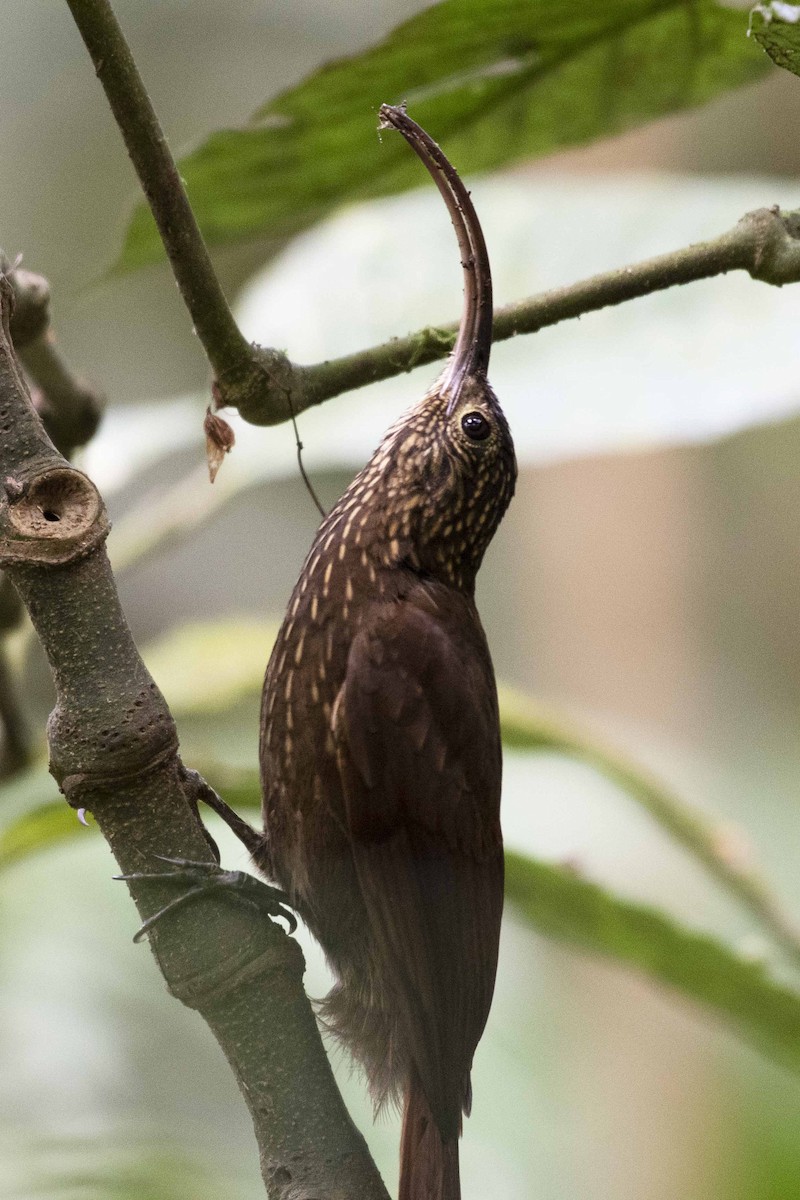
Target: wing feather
[(418, 750)]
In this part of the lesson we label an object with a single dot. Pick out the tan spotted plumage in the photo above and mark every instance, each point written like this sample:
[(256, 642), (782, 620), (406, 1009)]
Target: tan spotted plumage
[(380, 745)]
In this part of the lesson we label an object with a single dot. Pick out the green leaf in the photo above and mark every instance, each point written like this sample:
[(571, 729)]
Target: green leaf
[(561, 905), (494, 81), (776, 27), (527, 725), (49, 824), (558, 903)]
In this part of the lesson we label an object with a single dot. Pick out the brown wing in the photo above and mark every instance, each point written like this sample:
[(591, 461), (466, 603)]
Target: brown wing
[(418, 748)]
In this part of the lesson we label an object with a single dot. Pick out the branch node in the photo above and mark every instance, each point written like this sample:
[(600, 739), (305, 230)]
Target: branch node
[(32, 304), (261, 387), (429, 342), (84, 770), (775, 237)]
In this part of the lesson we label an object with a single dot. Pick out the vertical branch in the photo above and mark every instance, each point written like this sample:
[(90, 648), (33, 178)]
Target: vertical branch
[(114, 750), (71, 411)]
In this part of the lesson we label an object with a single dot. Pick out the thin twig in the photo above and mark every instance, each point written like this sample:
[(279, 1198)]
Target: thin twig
[(17, 750), (301, 467), (70, 407), (741, 248)]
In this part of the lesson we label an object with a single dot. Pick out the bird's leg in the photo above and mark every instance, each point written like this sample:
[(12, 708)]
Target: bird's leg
[(197, 788), (200, 878), (192, 782)]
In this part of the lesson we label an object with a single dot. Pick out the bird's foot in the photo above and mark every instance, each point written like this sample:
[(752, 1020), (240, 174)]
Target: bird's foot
[(202, 877)]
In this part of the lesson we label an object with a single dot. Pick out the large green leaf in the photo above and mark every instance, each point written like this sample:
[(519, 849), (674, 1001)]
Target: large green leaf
[(493, 80), (557, 902)]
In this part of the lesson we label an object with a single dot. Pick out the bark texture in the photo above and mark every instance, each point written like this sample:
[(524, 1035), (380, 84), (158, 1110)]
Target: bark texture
[(114, 751)]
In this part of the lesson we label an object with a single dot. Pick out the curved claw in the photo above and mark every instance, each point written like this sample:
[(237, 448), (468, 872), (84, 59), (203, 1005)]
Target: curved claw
[(473, 346), (146, 926), (189, 864), (288, 916)]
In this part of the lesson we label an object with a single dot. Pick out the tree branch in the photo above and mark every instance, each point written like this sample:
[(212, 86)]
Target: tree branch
[(229, 353), (71, 411), (264, 384), (765, 243), (114, 751)]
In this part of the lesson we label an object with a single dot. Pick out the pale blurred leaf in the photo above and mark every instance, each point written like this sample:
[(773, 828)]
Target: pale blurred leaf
[(558, 903), (208, 667), (133, 436), (687, 365), (494, 81)]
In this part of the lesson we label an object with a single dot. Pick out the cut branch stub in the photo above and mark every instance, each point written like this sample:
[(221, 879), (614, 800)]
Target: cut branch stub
[(51, 517), (31, 315)]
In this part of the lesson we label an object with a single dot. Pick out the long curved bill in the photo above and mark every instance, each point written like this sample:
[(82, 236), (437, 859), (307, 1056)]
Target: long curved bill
[(470, 356)]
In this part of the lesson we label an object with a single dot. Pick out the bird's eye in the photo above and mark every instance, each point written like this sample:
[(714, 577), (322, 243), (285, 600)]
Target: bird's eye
[(476, 426)]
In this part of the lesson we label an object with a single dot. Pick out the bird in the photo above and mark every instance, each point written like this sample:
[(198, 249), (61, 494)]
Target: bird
[(380, 747)]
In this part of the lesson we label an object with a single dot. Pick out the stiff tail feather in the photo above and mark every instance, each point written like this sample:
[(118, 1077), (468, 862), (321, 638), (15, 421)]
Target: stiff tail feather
[(428, 1162)]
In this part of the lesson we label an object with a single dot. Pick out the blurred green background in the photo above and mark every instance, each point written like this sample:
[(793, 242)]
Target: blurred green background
[(645, 582)]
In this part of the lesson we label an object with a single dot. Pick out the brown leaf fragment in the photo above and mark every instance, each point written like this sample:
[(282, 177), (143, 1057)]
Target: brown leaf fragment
[(220, 440)]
